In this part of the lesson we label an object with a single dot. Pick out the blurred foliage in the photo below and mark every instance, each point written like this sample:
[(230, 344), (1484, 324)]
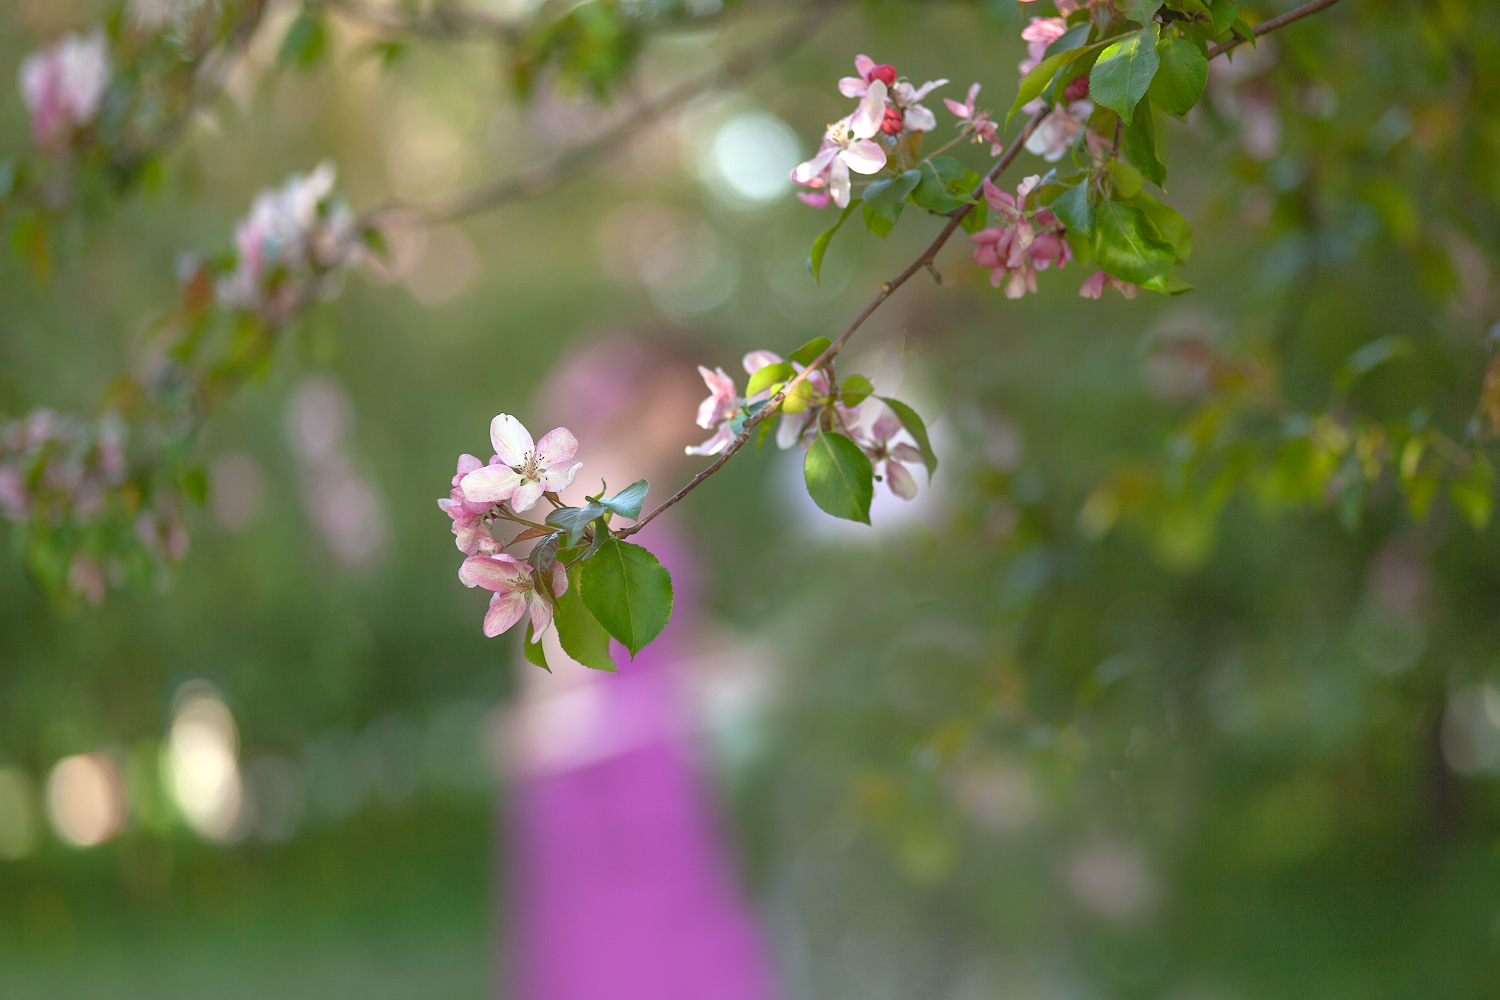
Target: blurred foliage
[(1161, 703)]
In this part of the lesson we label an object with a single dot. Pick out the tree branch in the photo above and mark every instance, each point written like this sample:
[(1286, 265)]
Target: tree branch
[(925, 260), (1266, 27), (886, 290), (567, 163)]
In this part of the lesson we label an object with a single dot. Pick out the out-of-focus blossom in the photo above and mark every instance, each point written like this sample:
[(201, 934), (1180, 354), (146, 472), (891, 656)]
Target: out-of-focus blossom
[(522, 470), (907, 101), (86, 579), (1020, 244), (1093, 286), (1051, 139), (869, 71), (515, 589), (817, 196), (14, 503), (896, 455), (295, 239), (63, 86), (1040, 33), (848, 146), (718, 409), (976, 122)]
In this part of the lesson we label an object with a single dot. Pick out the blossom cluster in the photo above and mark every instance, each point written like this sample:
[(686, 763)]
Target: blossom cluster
[(517, 476), (293, 246), (870, 424), (890, 110), (63, 87), (1022, 242)]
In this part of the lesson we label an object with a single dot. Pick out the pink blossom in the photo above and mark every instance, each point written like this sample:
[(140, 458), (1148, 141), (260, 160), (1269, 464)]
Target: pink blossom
[(1040, 33), (869, 71), (977, 122), (525, 470), (719, 408), (1093, 286), (895, 456), (515, 589), (848, 146), (789, 431), (818, 196), (86, 579), (1051, 139), (63, 85), (14, 503), (907, 100), (1019, 245), (468, 518)]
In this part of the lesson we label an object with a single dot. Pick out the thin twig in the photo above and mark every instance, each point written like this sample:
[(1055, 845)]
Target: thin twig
[(568, 162), (1266, 27), (889, 287), (925, 260)]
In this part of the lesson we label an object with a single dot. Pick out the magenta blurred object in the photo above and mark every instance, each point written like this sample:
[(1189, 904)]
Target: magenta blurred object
[(623, 889)]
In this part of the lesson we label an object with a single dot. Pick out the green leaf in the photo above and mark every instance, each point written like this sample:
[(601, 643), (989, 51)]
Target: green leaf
[(1179, 82), (1036, 80), (533, 650), (1375, 353), (304, 43), (855, 390), (1140, 144), (629, 593), (1242, 28), (627, 502), (976, 217), (770, 375), (809, 352), (888, 196), (947, 168), (1472, 492), (917, 429), (1168, 284), (574, 519), (932, 194), (1169, 223), (580, 633), (1127, 246), (1123, 73), (839, 477), (1142, 11), (195, 485), (374, 241), (797, 398), (1125, 178), (1223, 13), (820, 245), (1075, 210), (762, 430), (875, 223)]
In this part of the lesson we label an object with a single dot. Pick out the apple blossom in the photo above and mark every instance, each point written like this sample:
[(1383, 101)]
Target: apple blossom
[(468, 517), (1020, 244), (976, 123), (516, 591), (895, 455), (719, 408), (524, 470), (1040, 33), (1093, 286), (907, 101), (63, 86), (869, 71), (849, 146), (817, 196), (1051, 139)]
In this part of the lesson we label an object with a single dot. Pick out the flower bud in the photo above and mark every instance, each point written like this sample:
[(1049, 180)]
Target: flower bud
[(885, 73), (1077, 90), (893, 122)]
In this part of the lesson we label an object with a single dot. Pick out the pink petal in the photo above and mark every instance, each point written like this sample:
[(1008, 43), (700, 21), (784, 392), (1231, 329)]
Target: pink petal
[(511, 439), (886, 426), (973, 93), (505, 610), (804, 173), (999, 200), (814, 199), (526, 496), (924, 90), (756, 360), (500, 573), (466, 465), (853, 86), (863, 65), (905, 453), (556, 447), (863, 157), (541, 616), (559, 477), (559, 580), (490, 484), (713, 445), (865, 122), (900, 481), (957, 109)]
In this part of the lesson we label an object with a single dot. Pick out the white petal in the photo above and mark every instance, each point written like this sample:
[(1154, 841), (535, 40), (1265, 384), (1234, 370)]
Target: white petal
[(853, 86), (789, 430), (713, 445), (866, 121), (863, 156), (541, 616), (919, 119), (838, 183), (900, 481), (526, 496), (511, 439), (560, 477), (490, 484), (559, 580), (556, 447), (924, 90), (756, 360), (814, 167)]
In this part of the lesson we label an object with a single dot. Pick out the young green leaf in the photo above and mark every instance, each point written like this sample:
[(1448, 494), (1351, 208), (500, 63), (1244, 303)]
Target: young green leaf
[(195, 485), (1140, 144), (1123, 73), (855, 390), (1075, 210), (947, 168), (533, 650), (932, 194), (580, 633), (304, 42), (888, 197), (574, 519), (839, 477), (1181, 77), (1370, 356), (820, 245), (876, 223), (1126, 244), (627, 502), (1036, 80), (808, 352), (1125, 178), (917, 429), (629, 593), (1142, 11), (768, 376), (1472, 492), (1223, 13), (1169, 223), (797, 398), (977, 217)]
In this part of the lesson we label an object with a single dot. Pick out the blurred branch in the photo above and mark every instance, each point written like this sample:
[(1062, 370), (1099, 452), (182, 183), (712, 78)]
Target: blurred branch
[(887, 289), (1266, 27), (571, 161)]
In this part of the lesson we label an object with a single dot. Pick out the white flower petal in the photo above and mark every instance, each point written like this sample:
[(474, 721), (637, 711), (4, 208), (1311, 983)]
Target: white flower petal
[(556, 447), (866, 121), (511, 439), (490, 484), (526, 495)]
